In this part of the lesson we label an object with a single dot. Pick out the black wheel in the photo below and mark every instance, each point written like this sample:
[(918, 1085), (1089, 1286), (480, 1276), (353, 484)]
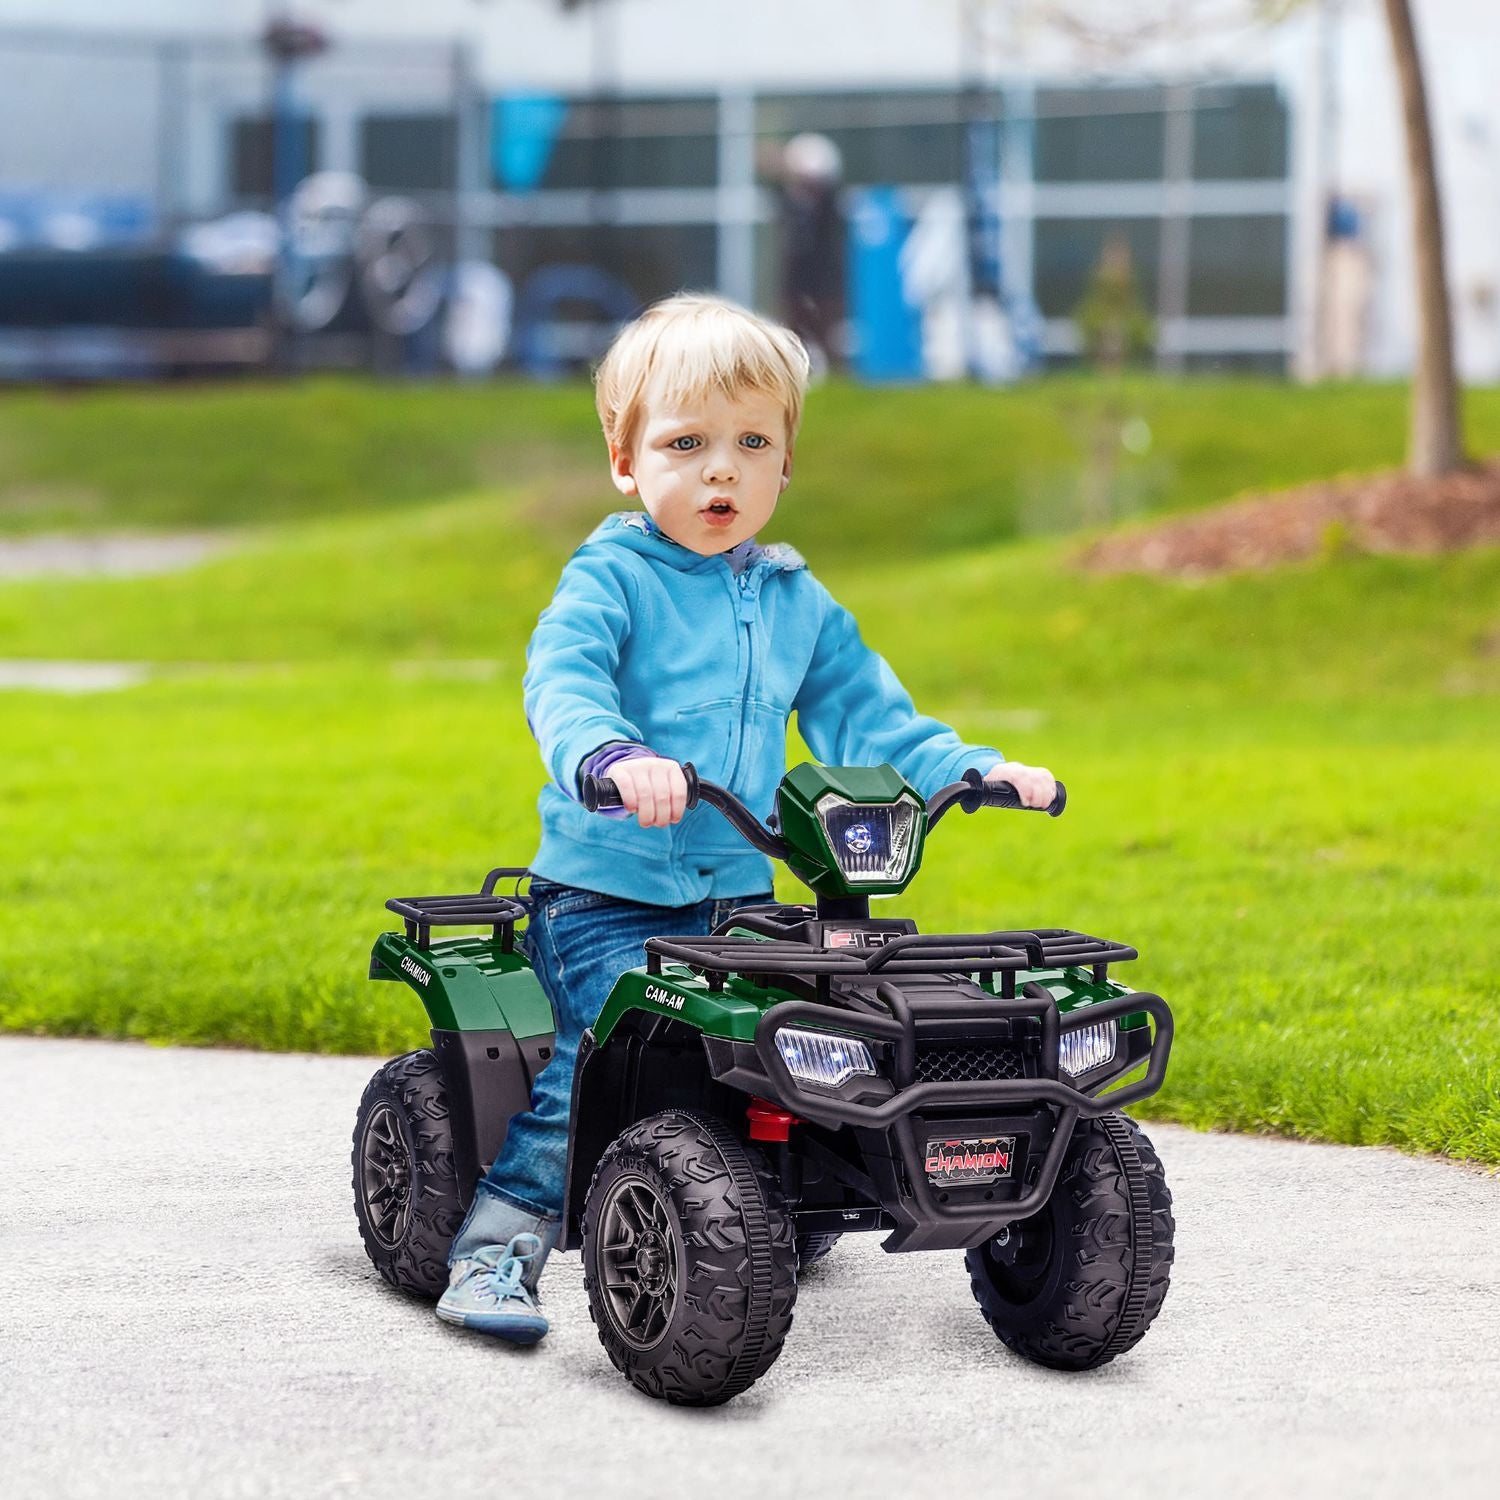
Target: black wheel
[(688, 1259), (406, 1194), (1081, 1281), (812, 1247)]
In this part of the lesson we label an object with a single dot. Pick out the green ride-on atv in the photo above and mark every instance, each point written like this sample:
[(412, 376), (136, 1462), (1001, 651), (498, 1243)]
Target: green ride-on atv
[(805, 1071)]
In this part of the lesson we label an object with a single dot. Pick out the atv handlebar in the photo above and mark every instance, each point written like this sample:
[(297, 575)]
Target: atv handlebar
[(972, 793), (600, 791)]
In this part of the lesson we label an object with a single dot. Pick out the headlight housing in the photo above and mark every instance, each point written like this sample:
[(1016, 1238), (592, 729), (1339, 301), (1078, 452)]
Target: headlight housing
[(873, 843), (821, 1058), (1081, 1048)]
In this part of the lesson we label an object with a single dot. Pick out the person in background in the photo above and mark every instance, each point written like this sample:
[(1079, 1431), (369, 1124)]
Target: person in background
[(814, 251)]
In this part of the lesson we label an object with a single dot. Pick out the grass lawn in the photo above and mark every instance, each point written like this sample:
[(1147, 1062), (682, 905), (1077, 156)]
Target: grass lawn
[(1286, 789), (957, 466)]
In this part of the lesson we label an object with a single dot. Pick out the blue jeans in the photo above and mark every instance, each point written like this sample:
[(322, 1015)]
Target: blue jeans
[(579, 942)]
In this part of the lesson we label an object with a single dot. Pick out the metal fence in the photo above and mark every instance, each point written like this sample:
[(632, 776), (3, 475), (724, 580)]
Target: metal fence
[(114, 140)]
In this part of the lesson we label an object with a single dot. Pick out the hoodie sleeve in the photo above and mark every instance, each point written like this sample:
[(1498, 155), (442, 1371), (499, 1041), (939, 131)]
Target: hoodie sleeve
[(571, 694), (853, 711)]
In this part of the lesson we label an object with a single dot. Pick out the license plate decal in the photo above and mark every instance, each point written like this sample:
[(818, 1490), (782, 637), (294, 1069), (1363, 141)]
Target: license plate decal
[(859, 937), (971, 1160)]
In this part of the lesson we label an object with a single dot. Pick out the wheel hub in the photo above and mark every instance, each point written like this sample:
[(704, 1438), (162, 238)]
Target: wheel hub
[(385, 1176), (1019, 1255), (638, 1262), (651, 1263)]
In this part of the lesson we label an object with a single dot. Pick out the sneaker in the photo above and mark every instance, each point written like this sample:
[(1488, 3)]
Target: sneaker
[(486, 1291)]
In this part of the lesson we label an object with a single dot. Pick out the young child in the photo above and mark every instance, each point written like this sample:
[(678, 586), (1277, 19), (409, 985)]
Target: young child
[(674, 636)]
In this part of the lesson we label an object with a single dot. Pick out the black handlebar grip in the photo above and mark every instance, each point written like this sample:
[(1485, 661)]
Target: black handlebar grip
[(1003, 794), (600, 791)]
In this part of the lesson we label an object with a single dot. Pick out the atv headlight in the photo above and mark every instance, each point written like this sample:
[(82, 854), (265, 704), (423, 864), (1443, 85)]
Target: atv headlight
[(822, 1058), (1083, 1047), (873, 842)]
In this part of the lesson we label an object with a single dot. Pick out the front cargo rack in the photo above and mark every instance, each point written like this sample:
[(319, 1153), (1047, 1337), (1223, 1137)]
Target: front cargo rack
[(1062, 949), (985, 954), (483, 909)]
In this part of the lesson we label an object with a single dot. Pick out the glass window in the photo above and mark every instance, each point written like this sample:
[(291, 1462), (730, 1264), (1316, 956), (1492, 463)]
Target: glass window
[(911, 136), (636, 143), (1067, 250), (1239, 133), (770, 248), (1237, 267), (407, 153), (1100, 135), (251, 170), (1236, 364), (652, 260)]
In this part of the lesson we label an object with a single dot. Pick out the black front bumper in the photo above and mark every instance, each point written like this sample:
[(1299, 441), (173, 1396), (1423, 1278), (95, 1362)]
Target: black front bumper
[(1039, 1111)]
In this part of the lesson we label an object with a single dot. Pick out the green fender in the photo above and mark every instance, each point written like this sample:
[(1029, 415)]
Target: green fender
[(467, 984)]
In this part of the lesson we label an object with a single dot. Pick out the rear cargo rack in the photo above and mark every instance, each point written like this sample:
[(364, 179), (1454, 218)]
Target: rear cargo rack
[(483, 909), (985, 954)]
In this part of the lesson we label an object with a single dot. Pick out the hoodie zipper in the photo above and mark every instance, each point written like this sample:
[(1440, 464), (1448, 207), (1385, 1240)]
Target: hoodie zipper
[(748, 582)]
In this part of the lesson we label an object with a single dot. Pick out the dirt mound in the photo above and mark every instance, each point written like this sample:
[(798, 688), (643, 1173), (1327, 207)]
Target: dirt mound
[(1379, 513)]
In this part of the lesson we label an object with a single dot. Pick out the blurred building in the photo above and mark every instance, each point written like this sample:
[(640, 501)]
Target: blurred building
[(606, 152)]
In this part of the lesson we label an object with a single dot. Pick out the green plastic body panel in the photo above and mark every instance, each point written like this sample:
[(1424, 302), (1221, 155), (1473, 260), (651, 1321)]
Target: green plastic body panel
[(734, 1011), (467, 984), (808, 855), (1075, 989), (679, 993)]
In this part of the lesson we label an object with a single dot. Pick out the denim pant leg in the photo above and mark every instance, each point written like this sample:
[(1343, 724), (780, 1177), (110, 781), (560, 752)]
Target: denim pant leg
[(579, 943)]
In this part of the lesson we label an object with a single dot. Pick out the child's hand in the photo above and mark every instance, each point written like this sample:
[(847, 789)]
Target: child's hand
[(651, 787), (1033, 784)]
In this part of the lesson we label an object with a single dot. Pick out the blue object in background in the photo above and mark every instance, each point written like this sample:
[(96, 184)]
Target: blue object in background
[(1344, 220), (51, 219), (545, 293), (887, 330), (982, 207), (289, 136), (523, 130), (141, 289)]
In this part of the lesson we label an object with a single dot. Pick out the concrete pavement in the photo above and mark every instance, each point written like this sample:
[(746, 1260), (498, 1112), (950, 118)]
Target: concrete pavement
[(189, 1312)]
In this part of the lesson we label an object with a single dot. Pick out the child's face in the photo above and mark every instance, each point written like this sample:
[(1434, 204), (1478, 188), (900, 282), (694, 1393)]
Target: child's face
[(709, 473)]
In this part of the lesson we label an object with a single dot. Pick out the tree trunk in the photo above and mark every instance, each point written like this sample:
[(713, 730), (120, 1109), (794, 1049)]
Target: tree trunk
[(1436, 435)]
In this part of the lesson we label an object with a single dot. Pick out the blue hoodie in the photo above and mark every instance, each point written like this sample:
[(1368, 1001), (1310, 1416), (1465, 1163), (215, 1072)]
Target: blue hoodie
[(648, 641)]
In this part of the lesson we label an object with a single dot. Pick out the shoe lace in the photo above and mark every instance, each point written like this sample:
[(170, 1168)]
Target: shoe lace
[(506, 1265)]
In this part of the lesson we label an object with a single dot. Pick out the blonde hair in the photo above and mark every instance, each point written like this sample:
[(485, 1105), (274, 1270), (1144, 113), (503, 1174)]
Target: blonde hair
[(689, 346)]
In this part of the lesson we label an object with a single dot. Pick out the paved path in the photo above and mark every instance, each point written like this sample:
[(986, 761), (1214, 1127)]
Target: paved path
[(105, 555), (188, 1312)]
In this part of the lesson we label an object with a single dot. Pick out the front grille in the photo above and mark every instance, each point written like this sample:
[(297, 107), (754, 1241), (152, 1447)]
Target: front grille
[(968, 1062)]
